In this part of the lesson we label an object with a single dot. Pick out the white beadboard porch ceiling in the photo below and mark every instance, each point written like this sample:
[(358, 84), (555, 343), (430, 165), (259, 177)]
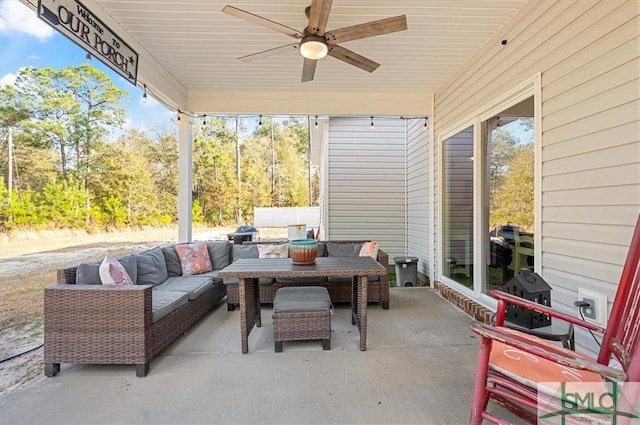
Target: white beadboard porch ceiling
[(196, 46)]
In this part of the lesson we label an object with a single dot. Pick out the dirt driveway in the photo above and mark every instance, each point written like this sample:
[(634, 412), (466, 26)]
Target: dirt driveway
[(37, 251)]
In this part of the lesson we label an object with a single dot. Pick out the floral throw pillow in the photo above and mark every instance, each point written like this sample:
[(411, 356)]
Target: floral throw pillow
[(369, 249), (112, 272), (194, 258), (273, 251)]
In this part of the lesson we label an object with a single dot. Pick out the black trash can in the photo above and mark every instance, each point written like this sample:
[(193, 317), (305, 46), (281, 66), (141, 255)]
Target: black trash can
[(242, 234), (406, 271)]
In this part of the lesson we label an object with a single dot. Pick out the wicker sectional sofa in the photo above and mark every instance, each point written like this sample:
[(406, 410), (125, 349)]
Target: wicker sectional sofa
[(89, 323), (86, 322)]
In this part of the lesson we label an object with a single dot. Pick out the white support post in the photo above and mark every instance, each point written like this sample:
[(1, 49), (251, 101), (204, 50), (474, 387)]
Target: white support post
[(185, 179)]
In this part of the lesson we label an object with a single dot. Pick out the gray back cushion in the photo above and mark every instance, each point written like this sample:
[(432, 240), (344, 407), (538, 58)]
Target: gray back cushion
[(130, 263), (152, 268), (244, 251), (174, 268), (322, 249), (89, 273), (343, 249), (219, 254)]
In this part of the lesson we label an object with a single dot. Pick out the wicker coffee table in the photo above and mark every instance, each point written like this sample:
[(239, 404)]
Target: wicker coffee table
[(248, 271)]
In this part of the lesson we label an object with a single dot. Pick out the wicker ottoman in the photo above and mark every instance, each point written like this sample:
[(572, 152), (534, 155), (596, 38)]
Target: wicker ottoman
[(301, 313)]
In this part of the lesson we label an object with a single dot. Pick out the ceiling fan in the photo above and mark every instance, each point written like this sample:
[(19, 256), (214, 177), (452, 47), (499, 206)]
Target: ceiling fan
[(316, 43)]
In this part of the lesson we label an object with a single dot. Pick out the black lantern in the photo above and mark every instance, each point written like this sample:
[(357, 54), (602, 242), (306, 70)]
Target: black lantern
[(532, 287)]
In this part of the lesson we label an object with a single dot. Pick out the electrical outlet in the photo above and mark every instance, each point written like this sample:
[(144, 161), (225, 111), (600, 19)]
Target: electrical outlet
[(590, 311), (597, 310)]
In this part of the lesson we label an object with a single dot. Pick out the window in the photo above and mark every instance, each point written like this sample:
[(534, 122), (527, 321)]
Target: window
[(509, 195), (458, 207)]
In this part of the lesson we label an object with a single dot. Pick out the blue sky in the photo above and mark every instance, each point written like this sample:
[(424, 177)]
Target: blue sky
[(25, 40)]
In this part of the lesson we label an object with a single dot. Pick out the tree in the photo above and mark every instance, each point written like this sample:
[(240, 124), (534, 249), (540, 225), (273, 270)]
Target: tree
[(72, 109), (161, 155), (514, 200), (502, 150), (215, 178), (123, 188)]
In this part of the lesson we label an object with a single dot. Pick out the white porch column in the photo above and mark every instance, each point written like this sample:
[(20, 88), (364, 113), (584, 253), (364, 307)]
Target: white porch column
[(185, 177)]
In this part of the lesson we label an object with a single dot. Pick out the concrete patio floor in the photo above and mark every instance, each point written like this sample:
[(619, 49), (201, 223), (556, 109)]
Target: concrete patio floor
[(418, 369)]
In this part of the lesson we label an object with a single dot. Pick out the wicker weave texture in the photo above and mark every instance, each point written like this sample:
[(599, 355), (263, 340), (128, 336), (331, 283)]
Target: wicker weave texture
[(95, 324), (301, 325)]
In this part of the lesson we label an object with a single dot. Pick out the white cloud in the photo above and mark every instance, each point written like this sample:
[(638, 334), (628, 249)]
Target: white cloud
[(34, 57), (15, 17), (7, 80)]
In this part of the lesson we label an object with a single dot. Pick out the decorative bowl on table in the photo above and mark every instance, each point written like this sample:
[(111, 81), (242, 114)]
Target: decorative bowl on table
[(303, 252)]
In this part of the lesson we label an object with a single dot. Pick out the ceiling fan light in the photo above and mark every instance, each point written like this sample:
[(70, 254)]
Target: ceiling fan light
[(313, 47)]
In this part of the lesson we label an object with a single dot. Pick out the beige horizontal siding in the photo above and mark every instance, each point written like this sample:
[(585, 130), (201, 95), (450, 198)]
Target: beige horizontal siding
[(366, 182), (419, 238), (588, 57), (599, 140)]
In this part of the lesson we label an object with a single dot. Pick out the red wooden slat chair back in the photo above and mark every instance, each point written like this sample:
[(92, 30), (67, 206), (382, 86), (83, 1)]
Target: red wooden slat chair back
[(511, 364)]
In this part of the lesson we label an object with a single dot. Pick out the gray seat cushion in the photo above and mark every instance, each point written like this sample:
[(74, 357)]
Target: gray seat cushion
[(212, 274), (194, 286), (301, 298), (164, 302)]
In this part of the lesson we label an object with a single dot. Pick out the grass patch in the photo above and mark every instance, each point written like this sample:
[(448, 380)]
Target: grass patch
[(22, 297)]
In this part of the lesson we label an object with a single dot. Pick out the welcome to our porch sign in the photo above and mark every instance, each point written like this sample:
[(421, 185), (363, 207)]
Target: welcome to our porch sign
[(79, 24)]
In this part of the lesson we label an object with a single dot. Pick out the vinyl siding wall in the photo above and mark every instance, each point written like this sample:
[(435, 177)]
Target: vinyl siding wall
[(588, 55), (366, 184), (419, 237)]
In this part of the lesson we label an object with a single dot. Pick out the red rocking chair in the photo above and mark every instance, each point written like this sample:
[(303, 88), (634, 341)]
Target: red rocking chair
[(514, 368)]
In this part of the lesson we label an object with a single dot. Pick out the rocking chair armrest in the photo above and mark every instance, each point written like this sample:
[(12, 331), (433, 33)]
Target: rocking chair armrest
[(559, 356), (539, 308)]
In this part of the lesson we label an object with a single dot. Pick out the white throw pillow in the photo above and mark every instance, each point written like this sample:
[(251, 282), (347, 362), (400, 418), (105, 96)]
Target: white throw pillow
[(113, 273), (273, 251)]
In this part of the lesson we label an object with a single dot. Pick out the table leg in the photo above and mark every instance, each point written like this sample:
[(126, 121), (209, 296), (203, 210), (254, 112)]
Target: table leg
[(354, 300), (362, 304), (359, 291), (249, 310), (256, 301)]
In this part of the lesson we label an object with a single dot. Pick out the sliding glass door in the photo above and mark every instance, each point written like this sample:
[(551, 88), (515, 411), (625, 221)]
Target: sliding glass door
[(488, 199)]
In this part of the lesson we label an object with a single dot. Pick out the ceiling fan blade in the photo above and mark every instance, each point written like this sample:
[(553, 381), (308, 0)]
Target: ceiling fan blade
[(352, 58), (248, 16), (318, 16), (309, 69), (369, 29), (269, 52)]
